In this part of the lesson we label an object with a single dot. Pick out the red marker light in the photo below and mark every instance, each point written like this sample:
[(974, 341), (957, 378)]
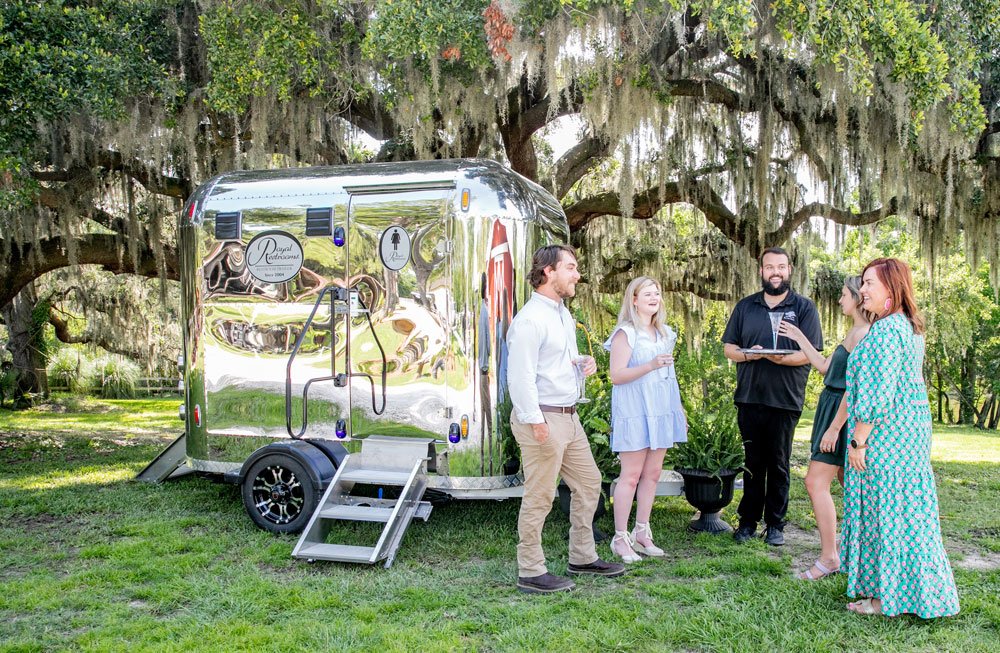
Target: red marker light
[(197, 415)]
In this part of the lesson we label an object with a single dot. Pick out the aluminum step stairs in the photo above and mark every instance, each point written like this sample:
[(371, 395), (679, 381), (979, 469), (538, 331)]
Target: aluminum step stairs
[(383, 461)]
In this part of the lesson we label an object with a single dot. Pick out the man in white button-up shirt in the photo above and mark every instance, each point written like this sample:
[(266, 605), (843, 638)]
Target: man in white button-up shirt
[(543, 385)]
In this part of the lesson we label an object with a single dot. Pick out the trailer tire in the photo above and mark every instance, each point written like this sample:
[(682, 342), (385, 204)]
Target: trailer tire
[(279, 494)]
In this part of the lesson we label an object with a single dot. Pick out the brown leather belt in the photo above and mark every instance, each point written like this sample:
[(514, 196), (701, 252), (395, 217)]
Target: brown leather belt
[(558, 409)]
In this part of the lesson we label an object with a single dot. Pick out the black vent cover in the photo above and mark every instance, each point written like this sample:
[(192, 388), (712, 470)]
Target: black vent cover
[(319, 222), (227, 226)]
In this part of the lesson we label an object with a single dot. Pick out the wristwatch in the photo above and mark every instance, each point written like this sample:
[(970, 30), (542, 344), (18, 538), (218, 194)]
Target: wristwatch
[(858, 445)]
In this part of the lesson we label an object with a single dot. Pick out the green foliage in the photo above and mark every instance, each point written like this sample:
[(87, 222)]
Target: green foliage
[(735, 20), (714, 443), (960, 308), (261, 50), (36, 332), (707, 383), (596, 415), (60, 58), (596, 420), (69, 367), (114, 377), (427, 30), (857, 36)]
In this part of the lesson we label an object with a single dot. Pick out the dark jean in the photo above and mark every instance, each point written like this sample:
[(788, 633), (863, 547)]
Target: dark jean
[(767, 444)]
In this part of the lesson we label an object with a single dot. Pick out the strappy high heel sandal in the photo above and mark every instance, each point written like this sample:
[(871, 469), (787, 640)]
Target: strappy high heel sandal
[(651, 550), (630, 556)]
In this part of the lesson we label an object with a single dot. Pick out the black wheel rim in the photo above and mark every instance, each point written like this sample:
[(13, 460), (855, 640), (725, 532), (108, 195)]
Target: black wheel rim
[(278, 495)]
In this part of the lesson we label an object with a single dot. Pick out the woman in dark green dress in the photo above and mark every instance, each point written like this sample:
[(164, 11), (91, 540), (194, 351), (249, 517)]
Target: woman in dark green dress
[(829, 436)]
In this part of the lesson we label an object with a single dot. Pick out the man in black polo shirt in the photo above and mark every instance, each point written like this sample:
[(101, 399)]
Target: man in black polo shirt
[(770, 390)]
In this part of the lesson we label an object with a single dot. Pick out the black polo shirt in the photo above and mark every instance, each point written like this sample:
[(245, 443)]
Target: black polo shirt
[(761, 381)]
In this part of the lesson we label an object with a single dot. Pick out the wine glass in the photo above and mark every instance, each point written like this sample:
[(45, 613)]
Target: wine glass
[(776, 318), (581, 379), (667, 371)]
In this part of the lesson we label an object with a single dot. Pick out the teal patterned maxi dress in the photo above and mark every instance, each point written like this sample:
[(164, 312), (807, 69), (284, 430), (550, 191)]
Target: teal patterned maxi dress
[(891, 534)]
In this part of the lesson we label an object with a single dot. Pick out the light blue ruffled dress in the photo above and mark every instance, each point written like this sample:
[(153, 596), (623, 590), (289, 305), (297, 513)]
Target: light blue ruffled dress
[(647, 413)]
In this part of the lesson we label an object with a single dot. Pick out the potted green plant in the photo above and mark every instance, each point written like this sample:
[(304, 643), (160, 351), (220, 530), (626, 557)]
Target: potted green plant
[(709, 463)]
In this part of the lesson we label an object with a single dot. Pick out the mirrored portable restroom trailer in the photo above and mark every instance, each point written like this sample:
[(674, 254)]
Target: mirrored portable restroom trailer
[(344, 341)]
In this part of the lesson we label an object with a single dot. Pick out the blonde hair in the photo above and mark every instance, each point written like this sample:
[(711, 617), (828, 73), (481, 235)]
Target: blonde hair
[(628, 316), (853, 285)]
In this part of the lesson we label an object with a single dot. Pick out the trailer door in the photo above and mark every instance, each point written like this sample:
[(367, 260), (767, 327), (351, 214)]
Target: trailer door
[(399, 262)]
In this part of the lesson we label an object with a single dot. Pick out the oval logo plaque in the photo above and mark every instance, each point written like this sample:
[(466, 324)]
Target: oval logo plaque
[(394, 248), (274, 257)]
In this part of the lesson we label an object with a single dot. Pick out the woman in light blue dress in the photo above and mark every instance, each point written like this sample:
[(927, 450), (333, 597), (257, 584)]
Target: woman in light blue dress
[(646, 413)]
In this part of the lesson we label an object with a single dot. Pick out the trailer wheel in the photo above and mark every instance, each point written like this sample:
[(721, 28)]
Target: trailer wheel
[(278, 494)]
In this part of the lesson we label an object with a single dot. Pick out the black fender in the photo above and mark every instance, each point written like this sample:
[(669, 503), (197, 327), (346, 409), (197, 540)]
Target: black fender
[(334, 450), (314, 459)]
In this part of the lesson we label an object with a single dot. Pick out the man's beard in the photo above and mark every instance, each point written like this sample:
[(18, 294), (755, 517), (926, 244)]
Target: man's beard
[(771, 290), (565, 290)]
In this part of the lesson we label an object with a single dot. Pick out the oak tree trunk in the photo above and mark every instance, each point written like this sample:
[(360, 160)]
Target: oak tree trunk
[(26, 345)]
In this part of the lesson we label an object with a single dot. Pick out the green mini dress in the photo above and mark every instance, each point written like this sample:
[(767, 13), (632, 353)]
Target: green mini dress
[(835, 383)]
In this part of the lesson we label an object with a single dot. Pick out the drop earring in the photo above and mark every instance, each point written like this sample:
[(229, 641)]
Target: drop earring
[(888, 303)]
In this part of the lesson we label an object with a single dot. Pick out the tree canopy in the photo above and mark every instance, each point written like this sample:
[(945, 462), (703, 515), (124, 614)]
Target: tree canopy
[(761, 115), (767, 117)]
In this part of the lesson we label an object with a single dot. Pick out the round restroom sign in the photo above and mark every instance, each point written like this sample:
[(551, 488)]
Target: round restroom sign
[(274, 256), (394, 248)]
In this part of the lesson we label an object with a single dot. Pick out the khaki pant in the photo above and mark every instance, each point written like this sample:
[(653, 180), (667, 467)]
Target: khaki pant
[(565, 453)]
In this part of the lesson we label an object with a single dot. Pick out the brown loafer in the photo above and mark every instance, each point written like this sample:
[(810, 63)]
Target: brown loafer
[(544, 584), (598, 568)]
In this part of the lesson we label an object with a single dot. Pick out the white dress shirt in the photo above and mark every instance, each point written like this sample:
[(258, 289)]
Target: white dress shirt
[(540, 371)]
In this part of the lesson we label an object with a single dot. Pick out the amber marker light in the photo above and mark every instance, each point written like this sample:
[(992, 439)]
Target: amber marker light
[(466, 199), (465, 426)]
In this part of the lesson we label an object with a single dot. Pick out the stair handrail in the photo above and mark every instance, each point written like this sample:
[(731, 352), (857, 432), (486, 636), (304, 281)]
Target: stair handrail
[(371, 327), (336, 293), (404, 503)]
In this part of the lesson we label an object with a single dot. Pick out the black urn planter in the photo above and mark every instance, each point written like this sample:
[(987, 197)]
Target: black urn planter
[(709, 494)]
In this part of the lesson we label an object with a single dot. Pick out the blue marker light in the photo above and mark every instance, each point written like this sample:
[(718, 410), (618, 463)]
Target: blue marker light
[(338, 237)]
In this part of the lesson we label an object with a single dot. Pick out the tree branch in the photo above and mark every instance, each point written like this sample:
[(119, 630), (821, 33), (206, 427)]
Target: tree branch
[(114, 345), (647, 203), (578, 161), (830, 212), (94, 249)]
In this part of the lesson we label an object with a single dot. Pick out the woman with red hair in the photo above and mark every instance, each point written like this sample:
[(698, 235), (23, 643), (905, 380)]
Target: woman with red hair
[(891, 537)]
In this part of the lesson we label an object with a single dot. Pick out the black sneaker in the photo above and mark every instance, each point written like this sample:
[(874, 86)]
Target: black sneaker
[(544, 584), (597, 568), (774, 536), (744, 533)]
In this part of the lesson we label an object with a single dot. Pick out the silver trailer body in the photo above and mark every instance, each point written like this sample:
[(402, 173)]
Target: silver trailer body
[(376, 297)]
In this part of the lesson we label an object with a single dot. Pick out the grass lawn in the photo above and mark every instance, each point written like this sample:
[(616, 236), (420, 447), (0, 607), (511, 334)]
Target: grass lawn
[(90, 560)]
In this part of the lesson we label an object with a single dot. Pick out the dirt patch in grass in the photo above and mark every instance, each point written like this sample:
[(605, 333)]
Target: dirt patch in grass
[(991, 531), (37, 521), (977, 561), (803, 547), (75, 405), (801, 544)]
